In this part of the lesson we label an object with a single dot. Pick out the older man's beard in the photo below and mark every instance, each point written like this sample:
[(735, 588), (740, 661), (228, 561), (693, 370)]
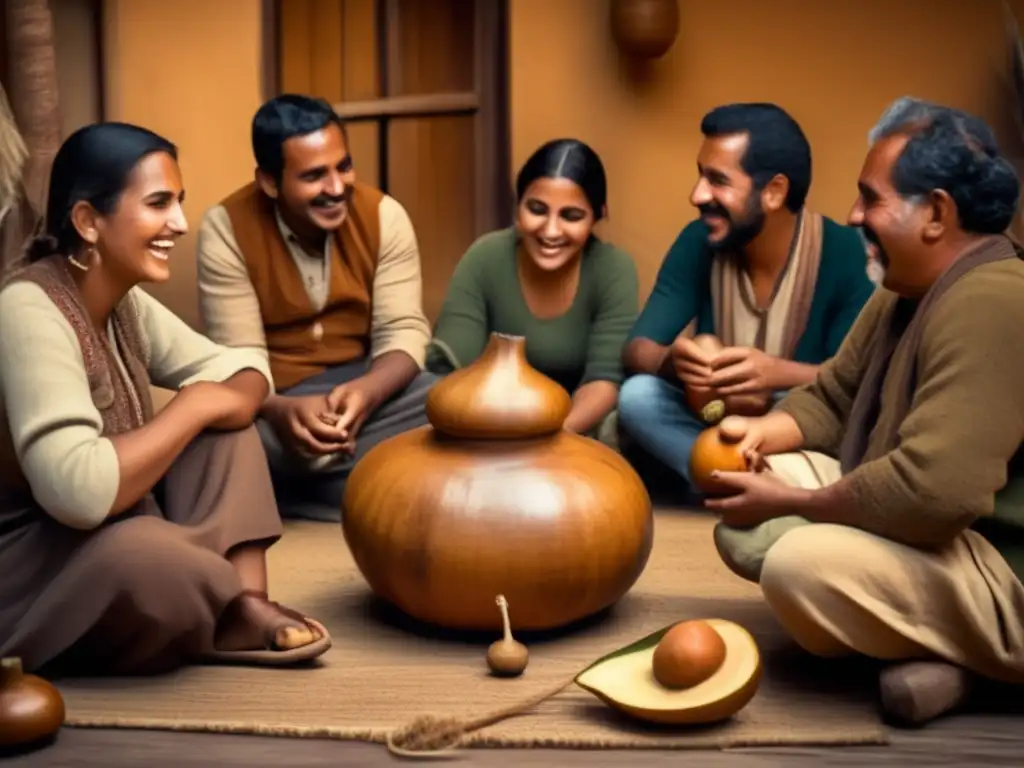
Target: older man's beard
[(876, 272), (876, 267)]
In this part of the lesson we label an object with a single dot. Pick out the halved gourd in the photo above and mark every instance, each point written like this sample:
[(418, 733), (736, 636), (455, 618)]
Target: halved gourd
[(624, 679)]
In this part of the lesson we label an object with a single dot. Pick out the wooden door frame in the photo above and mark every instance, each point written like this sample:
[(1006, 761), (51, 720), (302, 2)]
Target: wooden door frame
[(488, 102)]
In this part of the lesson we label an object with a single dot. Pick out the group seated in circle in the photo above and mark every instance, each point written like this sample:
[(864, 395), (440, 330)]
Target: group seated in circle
[(860, 357)]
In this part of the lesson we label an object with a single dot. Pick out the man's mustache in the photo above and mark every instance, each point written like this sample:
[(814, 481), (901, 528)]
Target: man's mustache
[(869, 236), (323, 201), (710, 209)]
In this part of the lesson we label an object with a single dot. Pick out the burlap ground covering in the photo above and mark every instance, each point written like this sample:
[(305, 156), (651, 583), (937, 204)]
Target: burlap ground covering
[(380, 674)]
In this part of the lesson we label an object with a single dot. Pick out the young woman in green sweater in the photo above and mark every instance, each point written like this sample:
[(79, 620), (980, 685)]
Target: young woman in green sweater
[(549, 279)]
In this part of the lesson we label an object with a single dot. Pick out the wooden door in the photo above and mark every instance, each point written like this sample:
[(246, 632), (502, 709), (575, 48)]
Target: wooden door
[(423, 86)]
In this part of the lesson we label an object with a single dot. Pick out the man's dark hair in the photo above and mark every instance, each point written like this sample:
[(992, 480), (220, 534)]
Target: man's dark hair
[(775, 145), (280, 119), (955, 151)]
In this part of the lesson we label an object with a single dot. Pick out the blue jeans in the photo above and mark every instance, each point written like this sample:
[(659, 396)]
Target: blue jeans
[(654, 414)]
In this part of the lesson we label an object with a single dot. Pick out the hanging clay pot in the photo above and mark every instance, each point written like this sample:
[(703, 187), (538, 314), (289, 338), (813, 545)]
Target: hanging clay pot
[(31, 708), (493, 498), (644, 29)]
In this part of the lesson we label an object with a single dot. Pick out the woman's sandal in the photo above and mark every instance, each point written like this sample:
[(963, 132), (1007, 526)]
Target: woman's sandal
[(271, 655)]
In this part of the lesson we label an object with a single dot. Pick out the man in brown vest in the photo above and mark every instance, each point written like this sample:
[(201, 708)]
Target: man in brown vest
[(322, 274)]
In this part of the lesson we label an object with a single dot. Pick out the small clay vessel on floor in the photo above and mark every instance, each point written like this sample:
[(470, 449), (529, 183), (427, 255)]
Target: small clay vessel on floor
[(31, 708), (494, 497)]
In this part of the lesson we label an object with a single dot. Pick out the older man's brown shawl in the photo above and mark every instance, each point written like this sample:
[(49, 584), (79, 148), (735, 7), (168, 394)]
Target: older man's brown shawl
[(893, 351)]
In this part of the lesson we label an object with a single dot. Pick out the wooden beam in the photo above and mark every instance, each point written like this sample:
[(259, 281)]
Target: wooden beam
[(270, 22), (494, 195), (410, 106)]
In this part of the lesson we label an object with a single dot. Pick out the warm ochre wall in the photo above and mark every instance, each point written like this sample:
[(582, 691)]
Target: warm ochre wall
[(190, 70), (834, 65), (76, 39)]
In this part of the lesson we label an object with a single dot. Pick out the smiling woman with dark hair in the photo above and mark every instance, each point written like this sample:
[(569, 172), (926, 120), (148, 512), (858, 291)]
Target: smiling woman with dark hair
[(551, 280), (130, 541)]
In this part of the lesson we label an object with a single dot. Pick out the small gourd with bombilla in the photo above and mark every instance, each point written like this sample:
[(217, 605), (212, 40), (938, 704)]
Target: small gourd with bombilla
[(507, 657)]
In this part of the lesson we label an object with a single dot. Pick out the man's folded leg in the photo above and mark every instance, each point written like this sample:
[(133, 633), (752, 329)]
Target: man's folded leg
[(943, 615)]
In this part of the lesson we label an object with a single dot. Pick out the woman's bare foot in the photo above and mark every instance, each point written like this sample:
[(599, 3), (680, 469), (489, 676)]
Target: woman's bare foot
[(253, 622)]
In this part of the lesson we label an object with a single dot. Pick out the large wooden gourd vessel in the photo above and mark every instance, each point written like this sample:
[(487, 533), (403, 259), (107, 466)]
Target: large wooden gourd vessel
[(493, 498)]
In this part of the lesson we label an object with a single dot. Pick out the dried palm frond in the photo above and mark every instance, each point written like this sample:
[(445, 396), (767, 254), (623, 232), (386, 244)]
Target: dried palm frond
[(13, 155)]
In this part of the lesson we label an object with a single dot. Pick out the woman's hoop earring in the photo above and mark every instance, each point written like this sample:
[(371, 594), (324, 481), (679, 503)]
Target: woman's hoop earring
[(75, 262)]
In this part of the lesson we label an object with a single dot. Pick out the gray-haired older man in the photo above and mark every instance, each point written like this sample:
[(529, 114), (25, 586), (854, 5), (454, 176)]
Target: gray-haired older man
[(891, 523)]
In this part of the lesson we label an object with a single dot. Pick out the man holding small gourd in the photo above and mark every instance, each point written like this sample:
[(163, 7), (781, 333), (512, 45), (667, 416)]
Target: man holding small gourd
[(771, 287)]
